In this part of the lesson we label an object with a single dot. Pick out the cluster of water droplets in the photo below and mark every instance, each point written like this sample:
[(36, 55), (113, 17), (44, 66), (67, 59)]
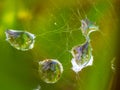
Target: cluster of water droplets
[(82, 54), (50, 70)]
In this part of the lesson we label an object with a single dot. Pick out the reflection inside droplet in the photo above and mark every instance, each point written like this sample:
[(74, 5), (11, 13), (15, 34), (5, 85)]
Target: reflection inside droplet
[(82, 56), (20, 40), (50, 70), (87, 27)]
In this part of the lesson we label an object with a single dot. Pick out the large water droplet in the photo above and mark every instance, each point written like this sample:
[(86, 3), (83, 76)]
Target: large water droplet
[(50, 70), (20, 40), (82, 56), (87, 27)]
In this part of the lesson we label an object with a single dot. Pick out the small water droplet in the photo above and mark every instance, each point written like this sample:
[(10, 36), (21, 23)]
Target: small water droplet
[(87, 27), (20, 40), (50, 70), (113, 64), (82, 56), (38, 88), (55, 23)]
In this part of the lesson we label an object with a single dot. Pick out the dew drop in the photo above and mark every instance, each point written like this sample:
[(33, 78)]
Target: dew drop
[(82, 56), (113, 64), (21, 40), (50, 70), (87, 27), (38, 88), (55, 23)]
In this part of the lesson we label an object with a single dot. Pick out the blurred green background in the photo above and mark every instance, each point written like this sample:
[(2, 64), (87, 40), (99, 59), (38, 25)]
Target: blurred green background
[(56, 23)]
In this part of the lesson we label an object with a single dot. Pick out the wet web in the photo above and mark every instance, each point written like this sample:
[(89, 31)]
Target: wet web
[(78, 14)]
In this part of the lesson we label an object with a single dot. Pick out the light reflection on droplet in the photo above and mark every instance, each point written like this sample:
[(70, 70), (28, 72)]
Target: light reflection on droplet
[(87, 27), (38, 88), (50, 70), (113, 64), (82, 56), (20, 40)]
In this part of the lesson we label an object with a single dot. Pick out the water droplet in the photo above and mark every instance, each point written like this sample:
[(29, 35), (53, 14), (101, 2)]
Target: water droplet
[(50, 70), (38, 88), (55, 23), (20, 40), (87, 27), (82, 56), (113, 64)]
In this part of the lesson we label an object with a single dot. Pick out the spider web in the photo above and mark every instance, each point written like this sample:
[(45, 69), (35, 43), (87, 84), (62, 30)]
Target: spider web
[(68, 35), (70, 39)]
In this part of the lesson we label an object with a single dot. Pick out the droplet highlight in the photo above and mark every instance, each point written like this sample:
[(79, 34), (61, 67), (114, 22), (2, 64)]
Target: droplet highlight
[(50, 70), (38, 88), (21, 40), (87, 27), (113, 64), (82, 56)]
